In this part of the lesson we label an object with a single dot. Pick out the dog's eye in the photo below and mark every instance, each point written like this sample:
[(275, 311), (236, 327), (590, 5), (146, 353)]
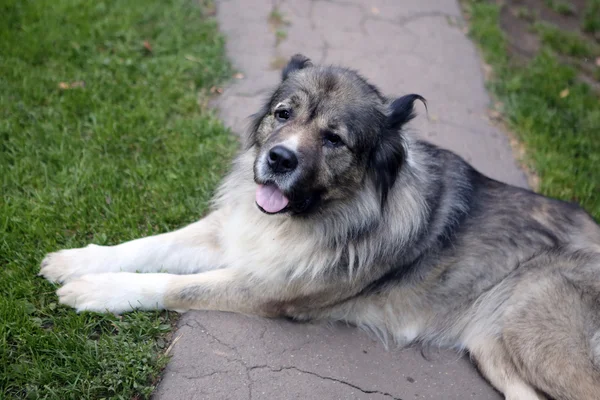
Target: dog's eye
[(282, 115), (332, 140)]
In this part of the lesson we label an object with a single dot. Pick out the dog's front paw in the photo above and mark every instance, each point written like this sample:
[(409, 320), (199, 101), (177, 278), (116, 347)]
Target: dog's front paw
[(114, 292), (64, 265)]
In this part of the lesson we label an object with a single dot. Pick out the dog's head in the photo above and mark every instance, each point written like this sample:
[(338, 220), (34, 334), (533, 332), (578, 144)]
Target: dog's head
[(323, 133)]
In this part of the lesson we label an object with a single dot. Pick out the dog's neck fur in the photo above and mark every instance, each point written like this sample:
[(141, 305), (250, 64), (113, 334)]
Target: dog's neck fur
[(350, 243)]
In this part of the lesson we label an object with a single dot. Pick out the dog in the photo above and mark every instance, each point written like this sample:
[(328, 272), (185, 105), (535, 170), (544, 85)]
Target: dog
[(334, 211)]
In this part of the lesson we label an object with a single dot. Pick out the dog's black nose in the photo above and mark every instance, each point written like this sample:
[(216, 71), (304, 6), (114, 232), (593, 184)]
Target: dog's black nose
[(282, 160)]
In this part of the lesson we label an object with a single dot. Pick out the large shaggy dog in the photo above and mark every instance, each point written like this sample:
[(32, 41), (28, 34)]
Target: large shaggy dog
[(333, 211)]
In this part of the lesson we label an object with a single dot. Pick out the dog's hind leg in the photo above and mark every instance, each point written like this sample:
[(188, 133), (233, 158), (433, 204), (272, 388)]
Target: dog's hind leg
[(194, 248), (494, 362), (549, 331)]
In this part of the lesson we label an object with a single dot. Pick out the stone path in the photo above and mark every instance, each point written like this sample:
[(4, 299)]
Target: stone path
[(401, 46)]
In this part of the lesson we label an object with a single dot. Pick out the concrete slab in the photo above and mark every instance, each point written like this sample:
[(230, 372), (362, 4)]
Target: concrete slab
[(402, 46), (229, 356)]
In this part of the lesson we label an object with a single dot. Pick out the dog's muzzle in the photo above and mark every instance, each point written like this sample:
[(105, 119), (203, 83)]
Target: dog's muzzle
[(282, 160), (277, 173)]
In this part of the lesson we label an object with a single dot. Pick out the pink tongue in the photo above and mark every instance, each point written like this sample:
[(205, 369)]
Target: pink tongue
[(270, 198)]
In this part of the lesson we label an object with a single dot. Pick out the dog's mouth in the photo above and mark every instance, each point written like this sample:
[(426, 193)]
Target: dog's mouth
[(270, 199)]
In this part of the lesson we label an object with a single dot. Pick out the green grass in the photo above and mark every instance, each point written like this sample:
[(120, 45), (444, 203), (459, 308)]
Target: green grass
[(280, 36), (276, 17), (591, 16), (560, 133), (566, 43), (130, 153), (523, 12), (561, 7)]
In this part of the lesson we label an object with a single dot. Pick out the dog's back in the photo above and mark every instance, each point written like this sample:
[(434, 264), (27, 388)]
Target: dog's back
[(511, 276)]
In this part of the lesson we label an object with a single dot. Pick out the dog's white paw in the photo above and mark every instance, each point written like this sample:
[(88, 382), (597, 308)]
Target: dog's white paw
[(64, 265), (115, 292)]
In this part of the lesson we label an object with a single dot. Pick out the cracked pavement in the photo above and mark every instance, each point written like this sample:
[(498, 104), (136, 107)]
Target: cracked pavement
[(229, 356), (404, 46)]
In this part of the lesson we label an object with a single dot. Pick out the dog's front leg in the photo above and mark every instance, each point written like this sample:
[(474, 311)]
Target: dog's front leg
[(229, 289), (194, 248)]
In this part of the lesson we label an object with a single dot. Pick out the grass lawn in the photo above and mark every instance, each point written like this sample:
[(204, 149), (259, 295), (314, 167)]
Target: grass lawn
[(103, 138), (554, 113)]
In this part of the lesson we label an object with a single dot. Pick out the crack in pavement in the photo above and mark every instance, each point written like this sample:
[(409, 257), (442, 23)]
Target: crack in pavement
[(237, 354), (234, 348), (239, 360), (402, 21), (262, 334), (328, 378), (399, 21), (205, 375), (369, 16), (216, 339)]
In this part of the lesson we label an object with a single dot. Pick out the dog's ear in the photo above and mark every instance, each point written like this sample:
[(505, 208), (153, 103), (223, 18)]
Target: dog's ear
[(386, 160), (296, 63), (402, 110), (390, 152)]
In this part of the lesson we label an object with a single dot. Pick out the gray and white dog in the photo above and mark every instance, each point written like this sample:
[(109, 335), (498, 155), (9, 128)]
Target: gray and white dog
[(333, 211)]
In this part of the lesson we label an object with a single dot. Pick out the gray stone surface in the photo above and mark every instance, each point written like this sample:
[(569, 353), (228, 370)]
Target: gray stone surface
[(229, 356), (402, 46)]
